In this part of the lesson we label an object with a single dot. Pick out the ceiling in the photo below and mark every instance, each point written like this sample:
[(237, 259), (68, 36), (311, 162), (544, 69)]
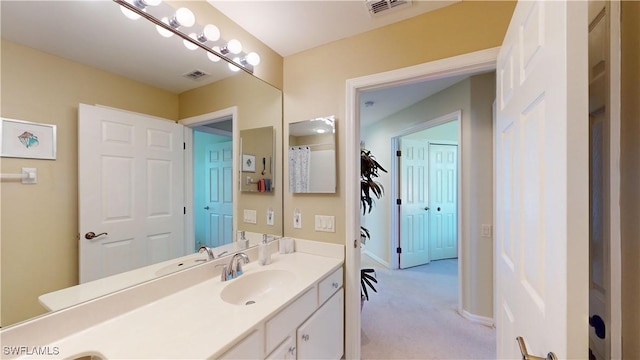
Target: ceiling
[(289, 27), (97, 34)]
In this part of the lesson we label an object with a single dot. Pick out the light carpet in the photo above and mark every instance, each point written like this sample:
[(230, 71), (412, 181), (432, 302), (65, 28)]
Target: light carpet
[(414, 316)]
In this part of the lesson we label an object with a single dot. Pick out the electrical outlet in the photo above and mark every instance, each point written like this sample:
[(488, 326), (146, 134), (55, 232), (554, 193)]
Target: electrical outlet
[(297, 219), (485, 230), (249, 216), (270, 216)]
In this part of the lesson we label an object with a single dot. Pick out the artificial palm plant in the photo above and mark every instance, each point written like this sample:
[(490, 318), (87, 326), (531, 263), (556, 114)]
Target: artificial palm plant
[(370, 190)]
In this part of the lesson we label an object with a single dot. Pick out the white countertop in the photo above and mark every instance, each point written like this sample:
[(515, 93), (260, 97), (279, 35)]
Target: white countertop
[(193, 323)]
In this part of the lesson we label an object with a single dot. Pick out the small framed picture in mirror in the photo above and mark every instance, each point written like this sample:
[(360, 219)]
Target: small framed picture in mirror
[(248, 163)]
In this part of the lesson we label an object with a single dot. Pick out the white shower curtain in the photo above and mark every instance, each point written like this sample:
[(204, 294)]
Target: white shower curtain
[(299, 163)]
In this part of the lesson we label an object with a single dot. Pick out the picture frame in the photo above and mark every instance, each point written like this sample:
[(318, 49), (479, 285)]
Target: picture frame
[(29, 140), (248, 163)]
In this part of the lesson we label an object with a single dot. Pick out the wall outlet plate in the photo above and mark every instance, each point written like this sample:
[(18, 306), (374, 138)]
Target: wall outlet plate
[(297, 219), (270, 216)]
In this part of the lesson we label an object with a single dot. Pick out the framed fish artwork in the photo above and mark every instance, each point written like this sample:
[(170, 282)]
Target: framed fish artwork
[(25, 139)]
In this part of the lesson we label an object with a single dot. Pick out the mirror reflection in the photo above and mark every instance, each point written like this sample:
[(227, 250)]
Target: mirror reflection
[(90, 53), (257, 161), (312, 156)]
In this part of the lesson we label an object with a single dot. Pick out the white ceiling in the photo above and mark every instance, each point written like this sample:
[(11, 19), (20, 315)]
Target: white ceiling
[(97, 34), (289, 27)]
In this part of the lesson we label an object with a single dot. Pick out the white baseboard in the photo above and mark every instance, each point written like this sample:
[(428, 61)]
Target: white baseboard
[(482, 320), (376, 258)]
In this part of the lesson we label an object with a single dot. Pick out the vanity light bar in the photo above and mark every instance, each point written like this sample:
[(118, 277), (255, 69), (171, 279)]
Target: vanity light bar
[(248, 68)]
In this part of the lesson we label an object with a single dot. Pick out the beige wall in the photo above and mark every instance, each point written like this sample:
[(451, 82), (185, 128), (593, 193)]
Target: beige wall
[(315, 80), (474, 97), (259, 104), (630, 178), (39, 222)]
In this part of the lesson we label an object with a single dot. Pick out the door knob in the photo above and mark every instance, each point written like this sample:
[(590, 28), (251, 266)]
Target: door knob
[(525, 353), (91, 235), (438, 208), (598, 324), (206, 208), (426, 208)]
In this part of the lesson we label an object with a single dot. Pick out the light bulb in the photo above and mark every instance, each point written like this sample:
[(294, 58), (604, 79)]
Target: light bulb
[(162, 31), (183, 17), (213, 57), (233, 67), (151, 2), (188, 44), (128, 13), (321, 131), (234, 46), (210, 33), (253, 58)]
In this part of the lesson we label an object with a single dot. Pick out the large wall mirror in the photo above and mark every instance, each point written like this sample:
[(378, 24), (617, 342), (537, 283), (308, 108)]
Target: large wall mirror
[(58, 54), (312, 156)]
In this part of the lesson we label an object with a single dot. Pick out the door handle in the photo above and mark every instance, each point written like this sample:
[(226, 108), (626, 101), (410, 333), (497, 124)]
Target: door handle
[(207, 208), (426, 208), (91, 235), (525, 353)]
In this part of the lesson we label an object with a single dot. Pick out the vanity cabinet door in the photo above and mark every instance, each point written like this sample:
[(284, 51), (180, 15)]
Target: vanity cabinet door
[(286, 351), (322, 335)]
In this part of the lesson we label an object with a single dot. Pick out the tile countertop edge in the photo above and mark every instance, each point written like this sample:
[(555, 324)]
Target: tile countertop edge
[(55, 326)]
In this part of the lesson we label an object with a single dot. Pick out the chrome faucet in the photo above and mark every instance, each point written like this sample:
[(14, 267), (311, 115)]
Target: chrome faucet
[(234, 269), (208, 250)]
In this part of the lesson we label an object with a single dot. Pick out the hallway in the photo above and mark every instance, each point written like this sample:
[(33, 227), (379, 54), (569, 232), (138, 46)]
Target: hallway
[(413, 316)]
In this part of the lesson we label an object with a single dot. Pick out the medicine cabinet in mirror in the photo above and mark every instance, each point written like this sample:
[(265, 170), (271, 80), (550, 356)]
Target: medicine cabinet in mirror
[(257, 162), (312, 156)]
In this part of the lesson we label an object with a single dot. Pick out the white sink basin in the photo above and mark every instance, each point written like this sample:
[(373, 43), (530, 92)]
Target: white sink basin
[(251, 288), (180, 265)]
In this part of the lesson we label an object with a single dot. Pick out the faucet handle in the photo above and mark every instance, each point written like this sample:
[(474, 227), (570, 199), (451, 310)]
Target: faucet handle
[(224, 275)]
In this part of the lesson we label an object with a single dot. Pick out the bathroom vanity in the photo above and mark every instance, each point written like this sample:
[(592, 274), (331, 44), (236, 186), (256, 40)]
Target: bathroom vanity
[(291, 308)]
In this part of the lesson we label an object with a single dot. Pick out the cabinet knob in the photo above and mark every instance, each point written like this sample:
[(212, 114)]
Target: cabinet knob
[(335, 285), (305, 337)]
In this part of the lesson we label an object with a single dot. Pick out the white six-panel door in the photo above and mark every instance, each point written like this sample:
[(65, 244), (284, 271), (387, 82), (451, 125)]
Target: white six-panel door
[(131, 188), (443, 201), (541, 180), (414, 218)]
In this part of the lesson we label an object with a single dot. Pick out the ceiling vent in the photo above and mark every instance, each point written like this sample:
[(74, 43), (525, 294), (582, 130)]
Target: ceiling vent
[(195, 74), (381, 7)]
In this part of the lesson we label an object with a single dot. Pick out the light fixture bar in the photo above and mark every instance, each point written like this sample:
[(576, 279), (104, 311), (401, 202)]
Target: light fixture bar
[(248, 69)]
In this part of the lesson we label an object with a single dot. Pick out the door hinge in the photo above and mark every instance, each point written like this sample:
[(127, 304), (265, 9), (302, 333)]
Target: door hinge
[(184, 210), (399, 250), (398, 153), (398, 201), (184, 146)]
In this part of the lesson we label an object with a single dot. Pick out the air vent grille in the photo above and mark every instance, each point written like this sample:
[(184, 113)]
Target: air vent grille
[(376, 7), (195, 74)]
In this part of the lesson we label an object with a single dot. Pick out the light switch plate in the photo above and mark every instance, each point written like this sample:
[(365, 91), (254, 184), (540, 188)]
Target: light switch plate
[(325, 223), (249, 216)]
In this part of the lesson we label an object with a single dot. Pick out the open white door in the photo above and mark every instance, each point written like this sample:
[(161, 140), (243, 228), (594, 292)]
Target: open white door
[(130, 187), (541, 179), (414, 219)]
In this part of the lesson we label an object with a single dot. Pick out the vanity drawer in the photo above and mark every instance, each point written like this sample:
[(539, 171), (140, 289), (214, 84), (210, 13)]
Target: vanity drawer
[(286, 321), (329, 285)]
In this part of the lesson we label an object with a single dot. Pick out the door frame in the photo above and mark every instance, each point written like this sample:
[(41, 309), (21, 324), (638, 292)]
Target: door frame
[(395, 180), (483, 60), (189, 123)]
